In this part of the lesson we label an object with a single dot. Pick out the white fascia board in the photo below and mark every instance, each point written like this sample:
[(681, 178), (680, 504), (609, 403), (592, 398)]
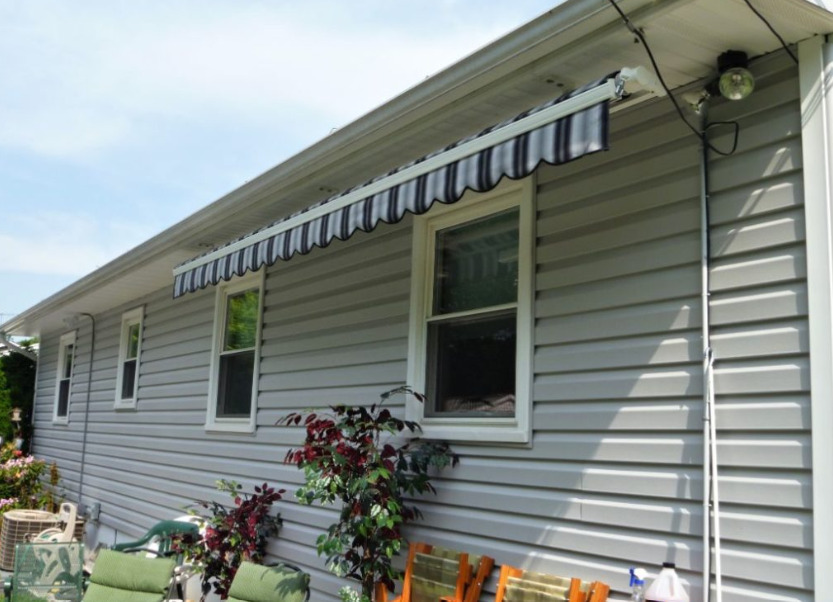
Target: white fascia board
[(815, 57)]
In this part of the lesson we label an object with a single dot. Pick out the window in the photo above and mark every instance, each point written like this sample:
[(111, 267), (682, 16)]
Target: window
[(63, 380), (127, 379), (471, 324), (236, 356)]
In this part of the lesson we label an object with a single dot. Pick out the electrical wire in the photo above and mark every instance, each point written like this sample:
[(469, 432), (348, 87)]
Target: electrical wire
[(772, 29), (736, 127), (700, 135)]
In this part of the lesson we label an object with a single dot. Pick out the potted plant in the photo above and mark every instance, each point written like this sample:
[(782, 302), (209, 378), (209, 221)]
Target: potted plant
[(358, 457), (231, 535)]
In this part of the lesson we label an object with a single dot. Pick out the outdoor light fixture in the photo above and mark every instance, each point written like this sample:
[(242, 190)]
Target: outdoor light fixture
[(735, 81), (16, 418), (72, 320)]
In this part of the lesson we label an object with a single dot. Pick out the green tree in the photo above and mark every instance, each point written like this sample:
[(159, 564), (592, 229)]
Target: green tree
[(5, 406), (17, 389), (355, 456)]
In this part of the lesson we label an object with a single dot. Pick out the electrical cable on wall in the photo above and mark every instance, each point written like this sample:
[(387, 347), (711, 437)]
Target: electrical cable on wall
[(739, 84), (772, 29)]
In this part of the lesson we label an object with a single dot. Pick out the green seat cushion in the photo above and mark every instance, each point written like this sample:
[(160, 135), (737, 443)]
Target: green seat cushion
[(256, 583), (103, 593), (118, 572)]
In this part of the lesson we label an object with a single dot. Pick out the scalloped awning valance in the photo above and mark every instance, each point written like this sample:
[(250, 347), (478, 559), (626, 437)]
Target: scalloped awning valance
[(559, 131)]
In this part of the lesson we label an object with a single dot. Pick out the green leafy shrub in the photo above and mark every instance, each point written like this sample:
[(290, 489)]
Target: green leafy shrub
[(21, 485), (351, 456), (232, 534)]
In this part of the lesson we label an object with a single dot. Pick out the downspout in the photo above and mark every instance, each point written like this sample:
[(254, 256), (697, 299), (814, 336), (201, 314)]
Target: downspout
[(86, 409), (711, 505)]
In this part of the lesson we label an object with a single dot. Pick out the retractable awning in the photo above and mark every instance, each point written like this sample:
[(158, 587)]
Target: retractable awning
[(559, 131)]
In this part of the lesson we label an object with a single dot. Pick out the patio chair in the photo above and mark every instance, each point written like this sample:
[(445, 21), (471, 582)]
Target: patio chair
[(158, 540), (278, 583), (517, 585), (433, 573), (47, 571), (124, 577)]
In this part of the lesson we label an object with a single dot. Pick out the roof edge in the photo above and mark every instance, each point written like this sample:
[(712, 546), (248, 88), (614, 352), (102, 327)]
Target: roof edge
[(464, 72)]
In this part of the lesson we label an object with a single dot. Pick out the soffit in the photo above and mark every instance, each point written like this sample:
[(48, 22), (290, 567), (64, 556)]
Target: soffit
[(686, 36)]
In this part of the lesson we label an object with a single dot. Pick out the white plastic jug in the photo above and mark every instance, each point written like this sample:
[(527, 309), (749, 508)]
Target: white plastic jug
[(667, 587)]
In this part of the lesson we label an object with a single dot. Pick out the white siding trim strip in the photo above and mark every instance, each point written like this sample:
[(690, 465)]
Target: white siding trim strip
[(815, 62), (560, 131)]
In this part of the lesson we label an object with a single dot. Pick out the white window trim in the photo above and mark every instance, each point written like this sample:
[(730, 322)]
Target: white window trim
[(66, 339), (234, 425), (520, 194), (128, 319)]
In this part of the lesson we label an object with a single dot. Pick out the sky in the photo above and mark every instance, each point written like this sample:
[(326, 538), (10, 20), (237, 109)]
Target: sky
[(119, 118)]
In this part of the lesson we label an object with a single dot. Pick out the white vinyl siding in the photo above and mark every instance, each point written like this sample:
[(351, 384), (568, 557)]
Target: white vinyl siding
[(612, 475), (618, 359)]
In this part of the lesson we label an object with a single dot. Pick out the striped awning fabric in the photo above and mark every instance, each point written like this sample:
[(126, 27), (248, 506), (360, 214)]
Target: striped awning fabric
[(564, 139)]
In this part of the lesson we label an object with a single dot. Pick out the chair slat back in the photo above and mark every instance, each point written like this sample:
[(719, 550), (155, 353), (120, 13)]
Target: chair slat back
[(518, 585), (434, 572), (537, 587), (438, 573)]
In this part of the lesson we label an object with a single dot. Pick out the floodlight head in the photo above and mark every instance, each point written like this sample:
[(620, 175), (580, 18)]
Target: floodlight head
[(735, 81)]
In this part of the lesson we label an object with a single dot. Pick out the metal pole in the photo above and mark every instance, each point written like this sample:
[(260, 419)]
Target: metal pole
[(711, 504), (86, 408), (707, 352)]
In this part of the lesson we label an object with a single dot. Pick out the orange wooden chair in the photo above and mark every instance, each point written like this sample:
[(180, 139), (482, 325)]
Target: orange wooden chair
[(435, 574), (517, 585)]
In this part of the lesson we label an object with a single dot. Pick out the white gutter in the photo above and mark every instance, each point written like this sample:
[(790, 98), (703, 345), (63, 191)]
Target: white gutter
[(609, 90), (18, 348)]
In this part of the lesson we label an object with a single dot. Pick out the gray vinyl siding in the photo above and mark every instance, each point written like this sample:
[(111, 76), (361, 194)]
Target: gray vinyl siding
[(613, 475)]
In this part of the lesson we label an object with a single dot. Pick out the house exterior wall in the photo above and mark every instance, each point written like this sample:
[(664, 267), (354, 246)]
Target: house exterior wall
[(613, 475)]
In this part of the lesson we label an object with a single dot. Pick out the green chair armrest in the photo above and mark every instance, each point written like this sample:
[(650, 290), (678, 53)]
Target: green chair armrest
[(160, 531)]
